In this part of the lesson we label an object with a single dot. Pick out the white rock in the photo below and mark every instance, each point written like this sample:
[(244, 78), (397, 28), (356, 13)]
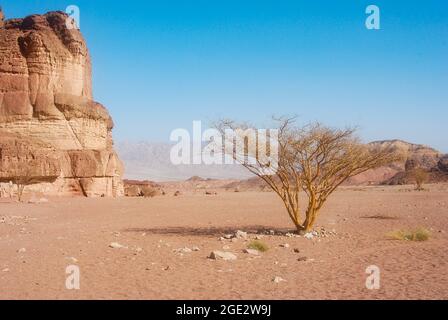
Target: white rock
[(183, 250), (241, 234), (138, 249), (72, 259), (5, 270), (217, 255), (228, 236), (195, 248), (308, 236), (116, 245), (252, 251), (278, 280), (286, 245), (22, 250)]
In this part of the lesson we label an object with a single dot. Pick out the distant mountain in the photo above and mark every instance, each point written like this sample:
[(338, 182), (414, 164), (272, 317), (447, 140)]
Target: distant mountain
[(151, 161), (414, 155)]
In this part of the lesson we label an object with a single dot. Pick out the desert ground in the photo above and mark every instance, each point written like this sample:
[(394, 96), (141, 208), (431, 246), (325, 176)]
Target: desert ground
[(39, 240)]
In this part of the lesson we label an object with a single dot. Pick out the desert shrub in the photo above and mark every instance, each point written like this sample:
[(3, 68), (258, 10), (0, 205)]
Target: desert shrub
[(420, 234), (258, 245)]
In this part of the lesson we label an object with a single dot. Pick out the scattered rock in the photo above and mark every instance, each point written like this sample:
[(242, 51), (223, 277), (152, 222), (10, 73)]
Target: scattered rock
[(5, 270), (183, 250), (252, 252), (241, 234), (308, 236), (226, 248), (228, 236), (22, 250), (286, 245), (177, 193), (138, 249), (278, 280), (302, 259), (221, 255), (72, 259), (116, 245), (296, 250)]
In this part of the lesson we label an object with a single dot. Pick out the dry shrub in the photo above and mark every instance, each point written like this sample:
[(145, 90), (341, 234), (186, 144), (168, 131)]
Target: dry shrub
[(420, 234), (258, 245)]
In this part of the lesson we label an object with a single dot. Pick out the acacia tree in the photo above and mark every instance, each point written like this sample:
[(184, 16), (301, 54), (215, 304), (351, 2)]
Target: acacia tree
[(24, 176), (313, 159)]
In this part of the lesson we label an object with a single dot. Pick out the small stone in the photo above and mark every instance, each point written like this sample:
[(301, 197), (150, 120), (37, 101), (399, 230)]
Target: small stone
[(195, 248), (258, 237), (116, 245), (226, 248), (5, 270), (309, 236), (286, 245), (22, 250), (296, 250), (302, 259), (278, 280), (183, 250), (138, 249), (241, 234), (221, 255), (228, 236), (72, 259), (252, 251)]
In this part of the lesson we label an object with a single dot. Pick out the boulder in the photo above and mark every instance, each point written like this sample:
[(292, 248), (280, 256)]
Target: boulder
[(222, 255)]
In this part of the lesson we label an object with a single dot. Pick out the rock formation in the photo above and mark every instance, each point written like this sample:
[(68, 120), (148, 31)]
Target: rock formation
[(48, 118), (414, 156)]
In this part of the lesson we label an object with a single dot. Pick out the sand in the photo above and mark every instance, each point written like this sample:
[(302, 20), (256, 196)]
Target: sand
[(78, 231)]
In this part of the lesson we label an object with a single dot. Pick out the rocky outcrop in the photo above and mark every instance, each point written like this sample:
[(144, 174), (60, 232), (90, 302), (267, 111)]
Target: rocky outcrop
[(413, 156), (46, 100)]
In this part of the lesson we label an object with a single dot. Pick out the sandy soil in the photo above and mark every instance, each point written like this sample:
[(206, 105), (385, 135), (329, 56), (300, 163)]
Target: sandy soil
[(54, 233)]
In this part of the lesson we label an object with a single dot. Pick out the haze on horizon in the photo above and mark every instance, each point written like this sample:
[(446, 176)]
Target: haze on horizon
[(160, 66)]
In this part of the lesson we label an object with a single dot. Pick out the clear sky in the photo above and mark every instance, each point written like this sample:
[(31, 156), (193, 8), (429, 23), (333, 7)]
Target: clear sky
[(159, 65)]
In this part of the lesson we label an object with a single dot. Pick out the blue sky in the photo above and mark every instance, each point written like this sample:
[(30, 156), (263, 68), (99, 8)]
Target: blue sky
[(159, 65)]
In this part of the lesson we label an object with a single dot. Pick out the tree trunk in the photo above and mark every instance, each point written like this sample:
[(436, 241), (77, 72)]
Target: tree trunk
[(311, 215)]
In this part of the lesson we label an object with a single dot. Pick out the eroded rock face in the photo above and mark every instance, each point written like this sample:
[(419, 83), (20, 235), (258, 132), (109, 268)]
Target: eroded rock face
[(46, 99)]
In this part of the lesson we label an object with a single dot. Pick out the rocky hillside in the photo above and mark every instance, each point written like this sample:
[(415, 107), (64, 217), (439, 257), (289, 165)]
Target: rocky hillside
[(51, 130), (414, 156)]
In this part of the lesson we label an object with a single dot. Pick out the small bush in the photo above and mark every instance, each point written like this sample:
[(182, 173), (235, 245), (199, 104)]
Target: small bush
[(420, 234), (258, 245)]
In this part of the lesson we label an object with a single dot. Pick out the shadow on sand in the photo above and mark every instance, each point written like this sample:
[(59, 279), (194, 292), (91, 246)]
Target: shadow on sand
[(211, 232)]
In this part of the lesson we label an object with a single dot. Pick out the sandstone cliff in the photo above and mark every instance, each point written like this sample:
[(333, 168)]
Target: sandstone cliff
[(48, 119)]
